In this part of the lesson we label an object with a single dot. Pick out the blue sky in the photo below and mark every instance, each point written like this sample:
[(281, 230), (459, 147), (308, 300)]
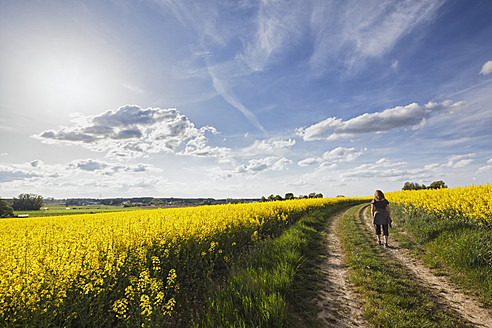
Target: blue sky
[(221, 99)]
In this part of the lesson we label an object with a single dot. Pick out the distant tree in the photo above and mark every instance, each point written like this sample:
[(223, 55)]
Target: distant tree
[(5, 209), (278, 197), (27, 202), (415, 186), (312, 195), (271, 198), (289, 195), (412, 186), (437, 185), (319, 195), (263, 199)]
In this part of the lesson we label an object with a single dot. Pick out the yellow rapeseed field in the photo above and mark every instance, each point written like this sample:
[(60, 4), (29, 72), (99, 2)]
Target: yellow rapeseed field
[(122, 258), (473, 202)]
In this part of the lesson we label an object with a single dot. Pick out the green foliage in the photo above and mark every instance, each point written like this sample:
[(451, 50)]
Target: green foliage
[(290, 195), (437, 185), (415, 186), (5, 209), (27, 202)]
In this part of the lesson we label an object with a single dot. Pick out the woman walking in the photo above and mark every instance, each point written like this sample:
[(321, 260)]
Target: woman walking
[(381, 216)]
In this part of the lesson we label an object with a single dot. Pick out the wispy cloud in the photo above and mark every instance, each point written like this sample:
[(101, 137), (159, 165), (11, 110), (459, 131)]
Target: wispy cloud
[(412, 115), (201, 16), (131, 132), (222, 88), (355, 30), (278, 24)]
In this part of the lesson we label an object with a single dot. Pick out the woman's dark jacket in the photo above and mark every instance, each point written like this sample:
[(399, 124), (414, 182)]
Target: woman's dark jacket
[(381, 216)]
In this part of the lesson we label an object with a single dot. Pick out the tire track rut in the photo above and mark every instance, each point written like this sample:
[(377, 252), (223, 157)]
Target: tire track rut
[(336, 297)]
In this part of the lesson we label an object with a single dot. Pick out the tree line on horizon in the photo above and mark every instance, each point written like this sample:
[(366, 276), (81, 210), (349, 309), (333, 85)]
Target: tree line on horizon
[(24, 202), (33, 202), (415, 186)]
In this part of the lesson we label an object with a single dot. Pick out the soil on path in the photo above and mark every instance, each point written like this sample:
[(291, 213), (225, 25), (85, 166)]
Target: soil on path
[(336, 298), (466, 306)]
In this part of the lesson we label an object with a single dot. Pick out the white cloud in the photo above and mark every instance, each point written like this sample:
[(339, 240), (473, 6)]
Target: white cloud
[(198, 147), (460, 161), (268, 146), (131, 132), (281, 164), (317, 131), (252, 167), (341, 154), (383, 168), (412, 115), (9, 174), (106, 168), (77, 177), (309, 161), (486, 168), (39, 170), (463, 163), (486, 68), (264, 164), (331, 157)]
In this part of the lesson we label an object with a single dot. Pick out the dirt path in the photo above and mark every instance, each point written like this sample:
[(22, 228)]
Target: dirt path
[(336, 298), (465, 305)]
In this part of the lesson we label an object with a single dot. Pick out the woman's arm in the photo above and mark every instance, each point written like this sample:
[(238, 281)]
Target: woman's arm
[(372, 209), (388, 209)]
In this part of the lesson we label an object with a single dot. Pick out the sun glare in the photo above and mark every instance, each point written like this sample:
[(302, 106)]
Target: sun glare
[(69, 78), (72, 81)]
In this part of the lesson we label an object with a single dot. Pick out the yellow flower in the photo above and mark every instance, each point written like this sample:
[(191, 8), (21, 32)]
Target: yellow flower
[(42, 258), (472, 203)]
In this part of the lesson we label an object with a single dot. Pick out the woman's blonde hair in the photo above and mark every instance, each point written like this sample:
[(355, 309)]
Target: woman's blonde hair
[(378, 195)]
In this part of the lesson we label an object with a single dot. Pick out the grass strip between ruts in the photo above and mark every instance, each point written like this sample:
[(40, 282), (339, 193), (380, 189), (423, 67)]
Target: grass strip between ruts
[(390, 293)]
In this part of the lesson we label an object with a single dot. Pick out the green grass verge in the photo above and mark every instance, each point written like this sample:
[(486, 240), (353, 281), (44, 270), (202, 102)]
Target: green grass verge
[(62, 210), (456, 248), (392, 297), (278, 285)]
